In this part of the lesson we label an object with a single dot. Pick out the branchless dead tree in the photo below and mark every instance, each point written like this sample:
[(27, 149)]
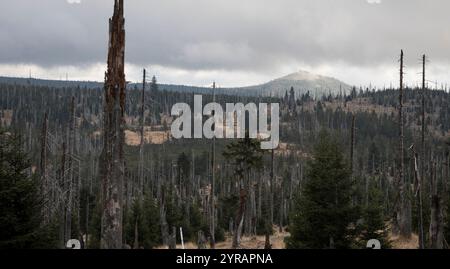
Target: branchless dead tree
[(142, 142), (352, 143), (437, 218), (113, 163), (418, 194), (69, 186), (422, 160), (213, 183), (403, 218), (45, 184)]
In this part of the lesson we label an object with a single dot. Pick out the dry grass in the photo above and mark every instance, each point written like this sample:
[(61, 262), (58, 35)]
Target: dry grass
[(150, 137), (257, 242), (277, 241), (6, 117), (134, 138), (252, 242), (404, 243)]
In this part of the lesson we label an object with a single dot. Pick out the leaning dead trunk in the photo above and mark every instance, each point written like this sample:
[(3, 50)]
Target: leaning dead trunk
[(239, 223)]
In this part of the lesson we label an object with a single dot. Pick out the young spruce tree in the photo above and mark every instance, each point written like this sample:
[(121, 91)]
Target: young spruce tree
[(374, 225), (323, 214), (20, 203)]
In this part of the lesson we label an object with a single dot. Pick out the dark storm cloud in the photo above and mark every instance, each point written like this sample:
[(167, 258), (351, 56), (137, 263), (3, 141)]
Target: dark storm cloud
[(226, 34)]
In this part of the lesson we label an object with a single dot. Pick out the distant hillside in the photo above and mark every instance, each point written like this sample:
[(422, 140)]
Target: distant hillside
[(301, 81), (99, 85), (51, 83)]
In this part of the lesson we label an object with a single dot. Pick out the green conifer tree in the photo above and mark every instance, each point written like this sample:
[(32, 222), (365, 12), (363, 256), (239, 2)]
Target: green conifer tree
[(374, 225), (20, 204), (323, 214)]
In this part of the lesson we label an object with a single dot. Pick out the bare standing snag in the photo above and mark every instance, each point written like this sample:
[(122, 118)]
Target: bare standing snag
[(113, 163)]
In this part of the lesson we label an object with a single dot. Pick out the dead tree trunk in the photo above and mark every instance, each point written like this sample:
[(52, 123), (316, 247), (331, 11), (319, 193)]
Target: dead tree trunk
[(281, 215), (447, 174), (252, 211), (201, 240), (267, 244), (61, 198), (418, 195), (352, 152), (436, 224), (239, 222), (113, 163), (70, 178), (45, 184), (271, 189), (404, 204), (173, 239), (352, 144), (164, 225), (136, 235), (88, 206), (141, 145), (437, 219), (422, 160), (213, 183)]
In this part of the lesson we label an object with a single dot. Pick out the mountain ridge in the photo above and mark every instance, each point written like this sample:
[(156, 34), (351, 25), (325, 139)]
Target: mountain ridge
[(301, 81)]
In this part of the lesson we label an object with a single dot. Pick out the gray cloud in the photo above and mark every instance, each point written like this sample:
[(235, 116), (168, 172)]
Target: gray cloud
[(250, 35)]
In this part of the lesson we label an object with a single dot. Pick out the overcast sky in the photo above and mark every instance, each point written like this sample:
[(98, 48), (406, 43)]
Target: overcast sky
[(234, 42)]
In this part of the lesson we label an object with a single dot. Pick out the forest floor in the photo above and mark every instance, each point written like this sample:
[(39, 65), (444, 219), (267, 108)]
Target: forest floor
[(257, 242), (401, 243), (247, 242), (277, 241)]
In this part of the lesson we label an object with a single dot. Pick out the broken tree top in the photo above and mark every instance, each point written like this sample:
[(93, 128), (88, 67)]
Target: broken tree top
[(115, 77), (117, 22), (118, 8)]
